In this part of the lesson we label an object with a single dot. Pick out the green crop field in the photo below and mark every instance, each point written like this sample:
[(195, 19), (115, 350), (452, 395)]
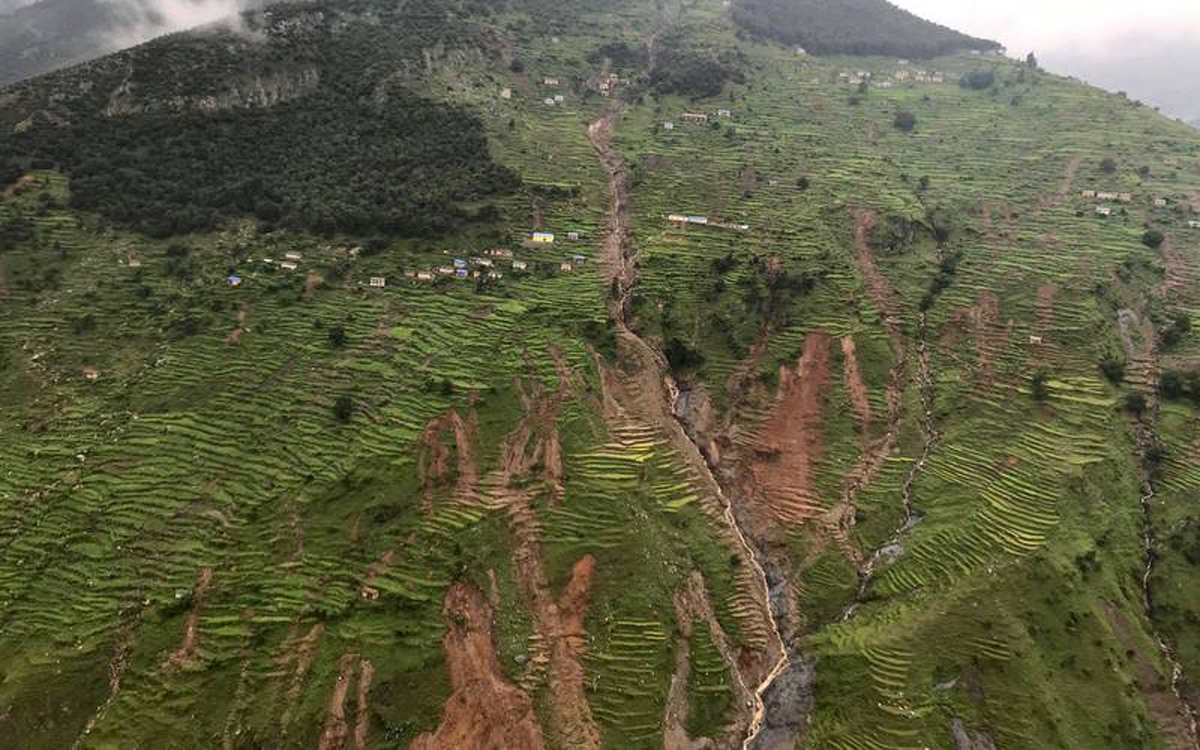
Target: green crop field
[(231, 513)]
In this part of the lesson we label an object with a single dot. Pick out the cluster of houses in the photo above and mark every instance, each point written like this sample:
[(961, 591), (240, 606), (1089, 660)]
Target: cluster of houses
[(480, 267), (540, 239), (1105, 196), (610, 83), (683, 220), (698, 117), (859, 77)]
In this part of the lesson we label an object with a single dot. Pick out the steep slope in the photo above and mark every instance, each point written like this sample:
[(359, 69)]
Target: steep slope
[(870, 452), (856, 27)]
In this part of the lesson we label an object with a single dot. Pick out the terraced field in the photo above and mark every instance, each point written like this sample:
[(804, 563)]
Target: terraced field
[(589, 500)]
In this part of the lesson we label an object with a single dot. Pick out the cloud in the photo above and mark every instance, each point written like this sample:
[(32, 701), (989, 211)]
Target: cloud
[(1144, 47), (142, 20)]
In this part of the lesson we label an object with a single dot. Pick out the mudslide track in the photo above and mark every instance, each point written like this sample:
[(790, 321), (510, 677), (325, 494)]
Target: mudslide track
[(780, 698)]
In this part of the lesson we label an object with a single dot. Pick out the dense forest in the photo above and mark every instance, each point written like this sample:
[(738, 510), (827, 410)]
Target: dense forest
[(299, 124), (856, 27)]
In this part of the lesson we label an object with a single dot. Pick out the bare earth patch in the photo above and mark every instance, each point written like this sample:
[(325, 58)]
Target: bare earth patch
[(186, 652), (485, 711)]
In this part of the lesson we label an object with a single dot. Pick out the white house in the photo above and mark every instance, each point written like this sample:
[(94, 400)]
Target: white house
[(1088, 194), (548, 101), (668, 125), (520, 265), (293, 256), (495, 275), (1160, 202), (1107, 196), (677, 218), (445, 271), (695, 117), (573, 236), (559, 99), (424, 276), (1104, 210), (288, 266), (1035, 340), (542, 238), (506, 93), (565, 267), (1125, 197), (378, 281), (550, 81), (1194, 224), (724, 113)]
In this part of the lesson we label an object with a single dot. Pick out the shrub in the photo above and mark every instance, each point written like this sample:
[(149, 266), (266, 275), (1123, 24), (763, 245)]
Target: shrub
[(1107, 165), (905, 121), (343, 408), (337, 337), (1135, 403), (1113, 369), (1039, 385), (1153, 239), (977, 80)]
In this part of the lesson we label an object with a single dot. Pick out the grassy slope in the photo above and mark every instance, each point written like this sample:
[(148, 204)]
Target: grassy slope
[(199, 453)]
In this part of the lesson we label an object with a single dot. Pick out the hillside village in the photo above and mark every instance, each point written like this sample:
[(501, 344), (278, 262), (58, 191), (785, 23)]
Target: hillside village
[(852, 404)]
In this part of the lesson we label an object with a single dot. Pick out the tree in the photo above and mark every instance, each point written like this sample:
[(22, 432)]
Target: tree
[(1153, 239), (905, 121), (1113, 369), (802, 183), (1031, 60), (337, 337), (1108, 165), (1135, 403), (1039, 386), (343, 408)]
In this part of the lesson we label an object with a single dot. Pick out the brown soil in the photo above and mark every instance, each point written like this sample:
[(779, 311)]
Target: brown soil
[(334, 735), (362, 724), (21, 184), (1176, 266), (789, 442), (485, 711), (1068, 181), (235, 336), (1043, 327), (311, 282), (299, 655), (990, 338), (186, 653), (1168, 711), (877, 286), (433, 459), (855, 387)]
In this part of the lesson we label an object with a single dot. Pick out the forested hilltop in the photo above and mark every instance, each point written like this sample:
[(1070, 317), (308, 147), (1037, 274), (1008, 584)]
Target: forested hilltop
[(854, 27), (594, 374)]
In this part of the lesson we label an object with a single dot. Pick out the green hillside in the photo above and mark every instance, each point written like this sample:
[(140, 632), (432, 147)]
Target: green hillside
[(308, 439)]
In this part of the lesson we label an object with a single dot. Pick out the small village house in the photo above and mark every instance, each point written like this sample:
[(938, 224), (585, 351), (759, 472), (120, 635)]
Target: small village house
[(293, 256), (424, 276), (542, 238), (1194, 224), (559, 99), (695, 117), (1104, 210), (288, 266), (233, 280), (724, 113), (445, 271), (461, 273), (520, 265), (495, 275), (135, 263), (565, 267), (550, 81), (506, 93), (548, 101), (378, 281), (1160, 202), (1125, 197), (460, 263), (668, 125), (579, 260), (1088, 194), (573, 236)]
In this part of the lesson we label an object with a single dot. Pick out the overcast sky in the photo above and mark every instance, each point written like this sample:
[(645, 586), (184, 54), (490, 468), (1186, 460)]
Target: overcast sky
[(1148, 48)]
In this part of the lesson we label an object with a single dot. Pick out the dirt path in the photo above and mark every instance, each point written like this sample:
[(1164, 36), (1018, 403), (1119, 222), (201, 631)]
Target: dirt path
[(186, 652), (433, 457), (485, 710), (362, 723), (1064, 187), (116, 669), (878, 288), (298, 654), (333, 737), (856, 389)]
